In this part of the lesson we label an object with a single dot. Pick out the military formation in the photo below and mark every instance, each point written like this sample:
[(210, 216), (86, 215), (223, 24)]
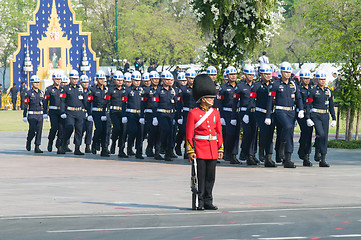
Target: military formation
[(154, 107)]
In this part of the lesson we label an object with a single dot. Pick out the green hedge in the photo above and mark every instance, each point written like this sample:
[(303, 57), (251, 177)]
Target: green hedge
[(354, 144)]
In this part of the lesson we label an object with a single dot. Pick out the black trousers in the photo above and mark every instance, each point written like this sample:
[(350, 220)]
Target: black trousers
[(206, 174), (14, 100), (118, 131), (56, 127), (74, 121), (35, 128), (88, 130), (321, 121)]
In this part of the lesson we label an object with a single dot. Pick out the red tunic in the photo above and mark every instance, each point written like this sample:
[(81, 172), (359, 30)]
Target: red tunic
[(205, 140)]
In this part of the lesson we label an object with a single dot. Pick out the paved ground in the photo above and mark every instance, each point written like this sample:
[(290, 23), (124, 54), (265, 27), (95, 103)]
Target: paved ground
[(151, 199)]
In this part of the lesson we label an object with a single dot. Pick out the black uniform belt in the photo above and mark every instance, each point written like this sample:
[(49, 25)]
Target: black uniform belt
[(116, 108), (35, 112), (74, 108), (319, 110)]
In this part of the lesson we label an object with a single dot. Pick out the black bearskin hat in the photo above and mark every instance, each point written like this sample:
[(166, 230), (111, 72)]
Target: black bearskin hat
[(203, 86)]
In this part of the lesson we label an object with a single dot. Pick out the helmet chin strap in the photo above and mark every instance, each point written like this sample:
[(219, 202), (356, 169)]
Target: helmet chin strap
[(210, 104)]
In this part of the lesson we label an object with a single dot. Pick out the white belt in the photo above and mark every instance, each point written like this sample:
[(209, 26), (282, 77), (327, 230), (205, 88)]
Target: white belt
[(35, 112), (54, 107), (148, 110), (74, 108), (319, 110), (261, 110), (227, 109), (115, 108), (132, 110), (209, 137), (243, 109), (165, 110), (97, 109), (186, 109), (285, 108)]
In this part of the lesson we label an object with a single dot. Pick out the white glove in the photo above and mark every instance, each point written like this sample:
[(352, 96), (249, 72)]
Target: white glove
[(89, 118), (234, 122), (63, 116), (333, 123), (310, 123), (141, 120), (46, 117), (155, 122), (246, 119), (267, 121), (180, 121), (301, 114), (173, 122), (25, 119), (223, 122), (103, 118), (124, 119)]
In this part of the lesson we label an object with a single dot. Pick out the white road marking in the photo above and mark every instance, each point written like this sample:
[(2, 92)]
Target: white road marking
[(164, 227), (346, 236), (174, 214), (282, 238)]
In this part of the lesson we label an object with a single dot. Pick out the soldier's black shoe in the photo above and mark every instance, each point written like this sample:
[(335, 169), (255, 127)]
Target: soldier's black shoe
[(323, 162), (210, 207), (122, 154), (174, 155), (67, 149), (87, 149), (50, 146), (28, 145), (139, 156), (242, 156), (37, 149), (251, 160), (261, 154), (94, 149), (317, 155), (130, 152), (97, 146), (278, 158), (287, 163), (158, 157), (149, 152), (185, 156), (256, 160), (61, 150), (234, 160), (112, 147), (178, 150), (168, 156), (268, 161), (306, 161), (104, 152), (200, 206), (77, 150)]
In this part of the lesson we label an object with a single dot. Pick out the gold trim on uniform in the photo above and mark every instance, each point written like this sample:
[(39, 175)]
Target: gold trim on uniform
[(190, 149)]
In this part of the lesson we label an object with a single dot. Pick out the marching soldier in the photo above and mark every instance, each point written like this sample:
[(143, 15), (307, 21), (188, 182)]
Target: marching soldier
[(165, 98), (284, 94), (320, 105), (96, 108), (116, 107), (52, 110), (204, 139), (225, 96), (133, 115), (127, 80), (212, 73), (245, 116), (259, 94), (33, 113), (88, 125), (72, 104), (305, 140)]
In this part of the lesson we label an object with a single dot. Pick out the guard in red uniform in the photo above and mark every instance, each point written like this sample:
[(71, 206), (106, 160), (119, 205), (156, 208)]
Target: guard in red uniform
[(204, 138)]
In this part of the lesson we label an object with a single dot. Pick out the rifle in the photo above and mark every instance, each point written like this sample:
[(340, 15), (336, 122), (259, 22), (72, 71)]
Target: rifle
[(194, 184)]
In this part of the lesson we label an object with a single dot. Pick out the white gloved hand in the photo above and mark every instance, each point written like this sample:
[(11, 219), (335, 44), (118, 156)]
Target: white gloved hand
[(180, 121), (333, 123), (234, 122), (46, 117), (89, 118), (155, 122), (25, 119), (246, 119), (223, 122), (310, 123), (301, 114), (103, 118), (141, 120), (267, 121), (124, 119), (63, 116), (173, 122)]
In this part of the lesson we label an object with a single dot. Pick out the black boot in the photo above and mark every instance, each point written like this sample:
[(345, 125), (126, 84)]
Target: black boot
[(306, 161), (242, 156), (251, 161), (37, 149), (323, 162), (94, 148), (112, 147), (278, 158), (178, 150), (77, 150), (168, 155), (130, 152), (287, 163), (149, 152), (210, 206), (185, 156), (50, 146), (281, 150), (61, 150), (87, 149), (234, 160), (28, 145), (200, 205), (174, 155), (138, 155), (104, 152), (261, 154), (157, 156), (121, 154), (317, 155), (67, 149), (268, 162)]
